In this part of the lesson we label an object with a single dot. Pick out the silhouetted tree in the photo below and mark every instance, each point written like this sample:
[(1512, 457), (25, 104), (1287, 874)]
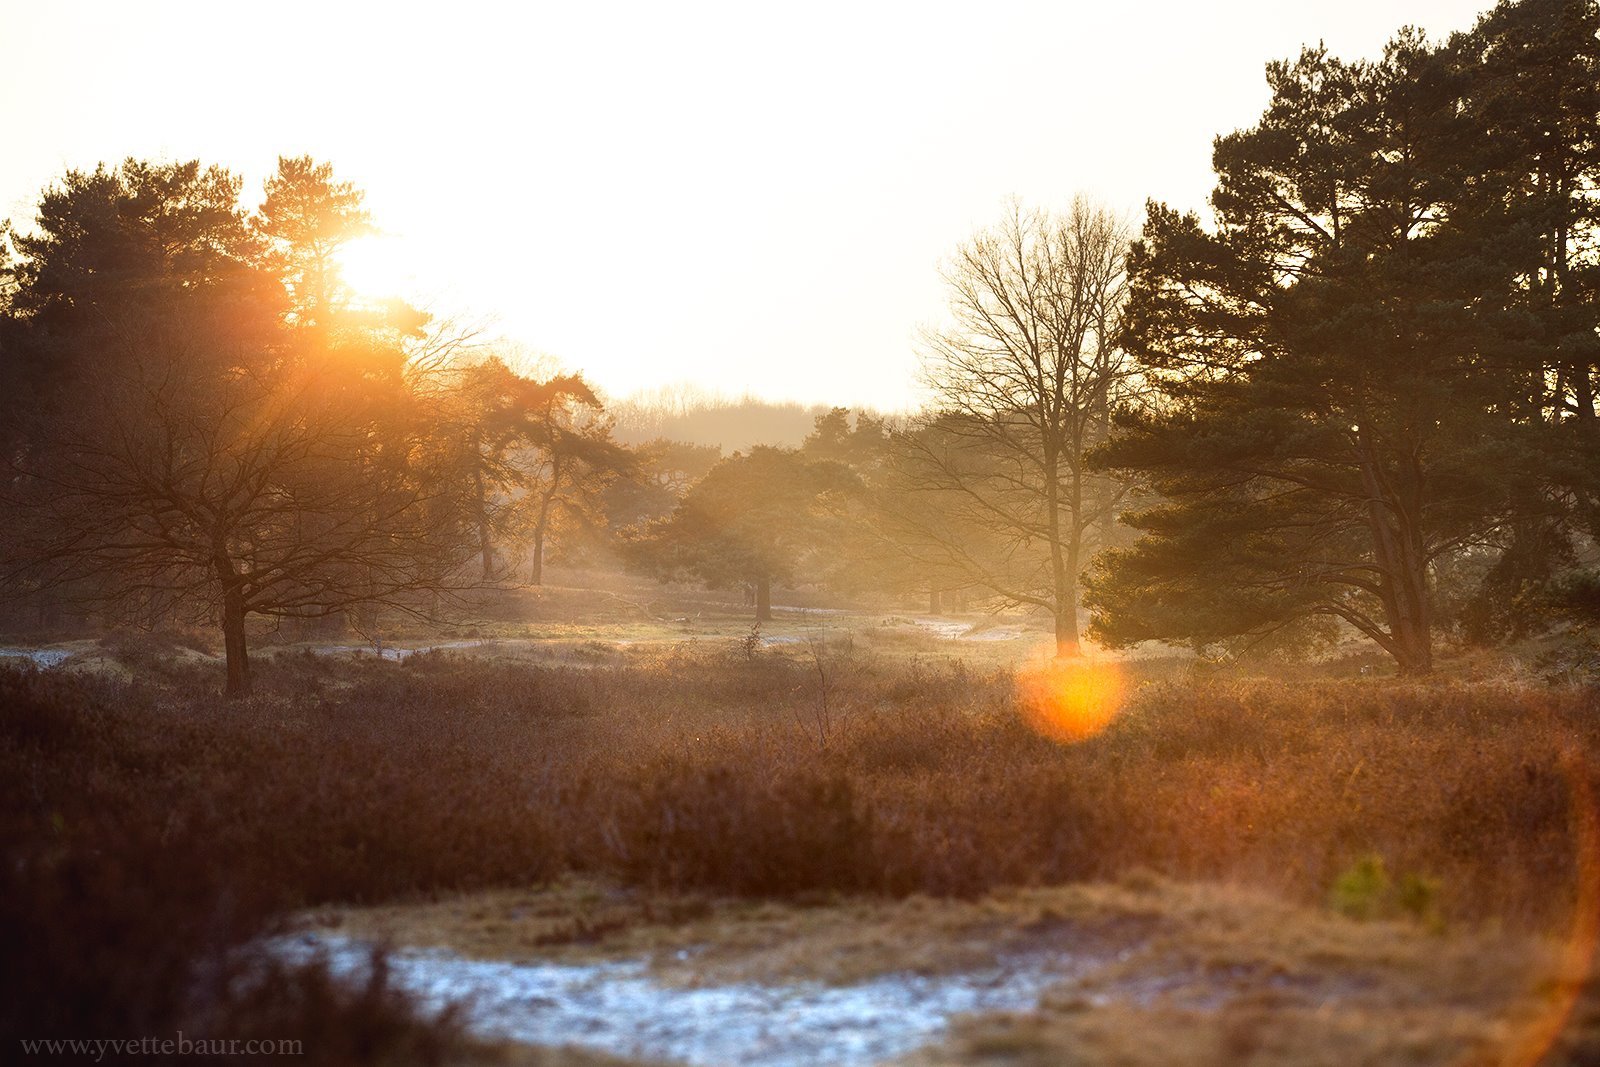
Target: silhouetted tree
[(758, 517), (1531, 76), (1531, 71), (304, 221), (1331, 361), (484, 422), (197, 448), (862, 557), (663, 472), (570, 461), (1024, 384)]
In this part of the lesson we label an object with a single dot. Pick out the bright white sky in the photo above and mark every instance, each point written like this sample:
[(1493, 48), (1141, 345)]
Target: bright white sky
[(745, 196)]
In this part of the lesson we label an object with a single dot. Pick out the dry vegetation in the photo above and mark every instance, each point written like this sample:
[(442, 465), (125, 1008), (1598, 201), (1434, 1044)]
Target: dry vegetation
[(1147, 971), (150, 828)]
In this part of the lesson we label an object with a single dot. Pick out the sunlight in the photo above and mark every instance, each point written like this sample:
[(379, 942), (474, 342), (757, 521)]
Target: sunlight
[(1071, 700), (892, 517), (375, 270)]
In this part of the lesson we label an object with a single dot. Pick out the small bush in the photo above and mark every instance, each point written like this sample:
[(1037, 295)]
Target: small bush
[(122, 917), (1365, 890)]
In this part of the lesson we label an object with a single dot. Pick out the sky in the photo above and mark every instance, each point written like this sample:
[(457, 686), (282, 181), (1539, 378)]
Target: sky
[(742, 197)]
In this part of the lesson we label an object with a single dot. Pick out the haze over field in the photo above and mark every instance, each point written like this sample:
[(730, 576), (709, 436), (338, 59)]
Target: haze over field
[(983, 535), (747, 197)]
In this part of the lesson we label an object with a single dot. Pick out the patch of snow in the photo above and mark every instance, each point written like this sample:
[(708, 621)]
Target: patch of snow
[(616, 1007), (947, 628), (998, 633), (388, 652), (956, 630), (43, 658)]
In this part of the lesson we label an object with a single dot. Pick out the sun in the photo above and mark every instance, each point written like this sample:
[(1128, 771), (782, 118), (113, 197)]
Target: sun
[(375, 269)]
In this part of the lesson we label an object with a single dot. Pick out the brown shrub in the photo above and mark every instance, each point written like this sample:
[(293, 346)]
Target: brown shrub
[(371, 781), (123, 918)]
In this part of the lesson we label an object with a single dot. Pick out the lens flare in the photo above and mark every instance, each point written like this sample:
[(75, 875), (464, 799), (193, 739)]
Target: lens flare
[(1070, 699), (1575, 967)]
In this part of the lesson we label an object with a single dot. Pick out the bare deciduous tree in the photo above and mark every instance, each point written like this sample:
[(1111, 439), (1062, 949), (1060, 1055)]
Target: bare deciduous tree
[(287, 492), (1024, 380)]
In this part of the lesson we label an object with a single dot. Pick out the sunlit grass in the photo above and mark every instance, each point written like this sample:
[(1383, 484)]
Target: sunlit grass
[(690, 775)]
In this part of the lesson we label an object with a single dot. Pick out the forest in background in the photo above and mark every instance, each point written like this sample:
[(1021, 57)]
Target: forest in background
[(696, 417), (1351, 408), (1360, 400)]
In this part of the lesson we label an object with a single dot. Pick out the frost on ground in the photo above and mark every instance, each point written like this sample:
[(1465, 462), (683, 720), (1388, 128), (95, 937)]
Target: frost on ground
[(616, 1007), (957, 630), (389, 652), (1132, 974), (40, 657)]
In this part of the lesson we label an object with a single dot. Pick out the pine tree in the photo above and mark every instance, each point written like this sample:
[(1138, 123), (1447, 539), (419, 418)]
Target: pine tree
[(1329, 358)]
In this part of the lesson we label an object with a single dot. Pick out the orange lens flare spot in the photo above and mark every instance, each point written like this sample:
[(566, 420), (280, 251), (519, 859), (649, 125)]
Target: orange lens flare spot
[(1071, 700)]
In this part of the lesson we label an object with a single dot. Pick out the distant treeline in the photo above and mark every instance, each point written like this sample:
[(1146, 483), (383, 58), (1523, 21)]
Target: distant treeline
[(700, 418), (1363, 398)]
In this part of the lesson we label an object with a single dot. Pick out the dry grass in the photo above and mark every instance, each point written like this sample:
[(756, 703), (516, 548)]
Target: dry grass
[(1230, 976), (1150, 972), (701, 771), (840, 941)]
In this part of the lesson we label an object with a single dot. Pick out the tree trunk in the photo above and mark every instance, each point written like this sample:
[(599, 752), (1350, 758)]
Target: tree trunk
[(233, 640), (540, 527), (1414, 657), (1402, 564), (233, 613), (480, 507), (542, 524), (935, 602), (1068, 644), (1588, 431), (763, 599), (1412, 624), (1583, 394), (1063, 560)]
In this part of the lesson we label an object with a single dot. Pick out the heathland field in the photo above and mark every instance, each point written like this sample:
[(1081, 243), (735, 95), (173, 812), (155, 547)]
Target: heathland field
[(900, 535), (886, 836)]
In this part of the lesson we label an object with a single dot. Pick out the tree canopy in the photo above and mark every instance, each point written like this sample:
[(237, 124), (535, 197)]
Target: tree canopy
[(759, 517), (1024, 382), (192, 448), (1354, 364)]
